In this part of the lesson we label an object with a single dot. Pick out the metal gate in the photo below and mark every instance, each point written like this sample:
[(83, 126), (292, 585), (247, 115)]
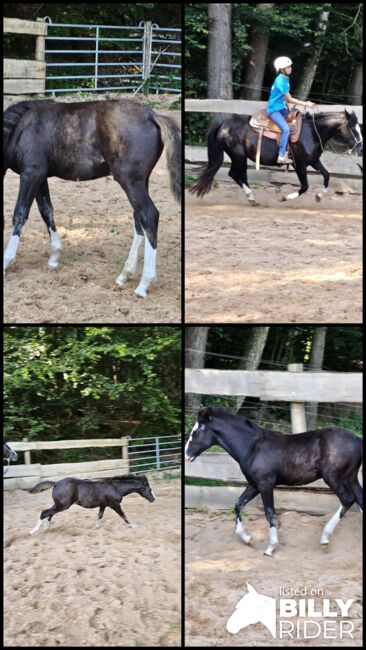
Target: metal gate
[(141, 58), (154, 454)]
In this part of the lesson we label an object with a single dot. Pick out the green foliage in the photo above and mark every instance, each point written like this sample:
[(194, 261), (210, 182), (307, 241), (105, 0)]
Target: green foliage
[(293, 30), (80, 382)]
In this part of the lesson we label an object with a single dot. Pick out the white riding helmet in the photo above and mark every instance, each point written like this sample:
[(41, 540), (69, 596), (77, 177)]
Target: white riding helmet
[(282, 62)]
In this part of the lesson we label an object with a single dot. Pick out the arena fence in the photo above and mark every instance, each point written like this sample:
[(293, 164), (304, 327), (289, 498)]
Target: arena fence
[(138, 455)]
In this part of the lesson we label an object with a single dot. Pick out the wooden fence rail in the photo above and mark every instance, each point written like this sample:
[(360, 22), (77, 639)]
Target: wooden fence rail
[(248, 107), (25, 476), (293, 386), (23, 76)]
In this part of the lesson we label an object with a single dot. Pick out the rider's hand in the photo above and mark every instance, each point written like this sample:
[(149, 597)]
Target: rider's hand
[(310, 104)]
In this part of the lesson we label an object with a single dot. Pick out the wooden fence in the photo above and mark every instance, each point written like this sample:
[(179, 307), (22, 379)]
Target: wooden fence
[(25, 476), (22, 76), (344, 166)]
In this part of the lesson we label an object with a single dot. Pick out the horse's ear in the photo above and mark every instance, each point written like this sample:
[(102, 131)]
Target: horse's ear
[(205, 413)]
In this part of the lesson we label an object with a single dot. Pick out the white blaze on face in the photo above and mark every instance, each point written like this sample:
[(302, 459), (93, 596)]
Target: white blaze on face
[(358, 131), (190, 439)]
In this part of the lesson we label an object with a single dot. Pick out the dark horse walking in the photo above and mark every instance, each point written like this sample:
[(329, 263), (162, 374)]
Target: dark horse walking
[(83, 141), (100, 493), (236, 137), (269, 458)]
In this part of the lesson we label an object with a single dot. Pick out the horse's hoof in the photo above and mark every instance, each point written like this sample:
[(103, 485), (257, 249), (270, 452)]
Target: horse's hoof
[(140, 293), (131, 525), (318, 198), (283, 199)]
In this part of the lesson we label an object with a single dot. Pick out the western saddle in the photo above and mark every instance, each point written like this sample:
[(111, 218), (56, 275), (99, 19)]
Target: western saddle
[(262, 123)]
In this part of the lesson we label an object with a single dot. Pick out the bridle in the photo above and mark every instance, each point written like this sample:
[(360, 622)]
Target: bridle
[(343, 123)]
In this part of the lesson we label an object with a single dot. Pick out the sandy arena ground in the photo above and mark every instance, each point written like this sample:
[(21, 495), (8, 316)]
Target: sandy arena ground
[(76, 585), (298, 261), (219, 564), (95, 224)]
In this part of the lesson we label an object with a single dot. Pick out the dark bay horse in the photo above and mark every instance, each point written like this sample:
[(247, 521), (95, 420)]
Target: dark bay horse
[(236, 137), (83, 141), (99, 493), (269, 458)]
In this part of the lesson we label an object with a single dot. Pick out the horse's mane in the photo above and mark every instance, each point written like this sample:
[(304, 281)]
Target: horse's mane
[(221, 411), (122, 477)]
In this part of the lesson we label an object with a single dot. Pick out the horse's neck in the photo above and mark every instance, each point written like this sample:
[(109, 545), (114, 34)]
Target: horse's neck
[(127, 489), (238, 445), (328, 130)]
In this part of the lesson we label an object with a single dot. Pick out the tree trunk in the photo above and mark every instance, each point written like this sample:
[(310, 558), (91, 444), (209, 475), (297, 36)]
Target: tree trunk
[(252, 356), (303, 89), (316, 363), (255, 67), (219, 53), (195, 348), (356, 87)]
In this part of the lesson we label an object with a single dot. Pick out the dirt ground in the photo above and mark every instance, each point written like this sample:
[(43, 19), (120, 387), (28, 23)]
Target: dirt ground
[(95, 224), (219, 565), (76, 585), (298, 261)]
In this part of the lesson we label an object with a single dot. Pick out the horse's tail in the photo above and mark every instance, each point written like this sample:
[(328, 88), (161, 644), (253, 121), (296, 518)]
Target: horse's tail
[(45, 485), (215, 159), (12, 116), (170, 134)]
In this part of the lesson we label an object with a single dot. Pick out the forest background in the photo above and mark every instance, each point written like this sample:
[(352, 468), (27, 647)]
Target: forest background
[(90, 382), (230, 49), (328, 348)]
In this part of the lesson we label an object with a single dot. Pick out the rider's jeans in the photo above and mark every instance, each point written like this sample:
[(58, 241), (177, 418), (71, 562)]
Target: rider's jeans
[(278, 117)]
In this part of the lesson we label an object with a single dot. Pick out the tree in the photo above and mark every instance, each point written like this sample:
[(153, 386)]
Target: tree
[(195, 348), (219, 51), (255, 65), (304, 87), (252, 355)]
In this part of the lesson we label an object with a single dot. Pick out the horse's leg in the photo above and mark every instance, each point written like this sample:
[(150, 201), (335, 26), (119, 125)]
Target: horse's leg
[(129, 268), (117, 508), (268, 502), (28, 188), (45, 514), (249, 493), (347, 499), (146, 221), (238, 172), (358, 493), (303, 178), (326, 176), (100, 515), (45, 207)]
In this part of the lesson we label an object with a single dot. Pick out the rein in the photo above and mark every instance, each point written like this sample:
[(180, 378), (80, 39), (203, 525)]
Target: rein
[(339, 127)]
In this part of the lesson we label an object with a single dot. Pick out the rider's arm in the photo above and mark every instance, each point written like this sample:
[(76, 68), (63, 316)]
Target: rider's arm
[(292, 100)]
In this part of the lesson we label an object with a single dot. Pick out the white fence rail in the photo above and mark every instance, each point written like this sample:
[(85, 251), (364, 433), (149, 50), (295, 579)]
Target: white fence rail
[(294, 386), (138, 455)]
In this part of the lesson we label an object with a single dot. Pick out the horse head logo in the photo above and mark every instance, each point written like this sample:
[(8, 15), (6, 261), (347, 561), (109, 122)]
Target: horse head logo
[(253, 608)]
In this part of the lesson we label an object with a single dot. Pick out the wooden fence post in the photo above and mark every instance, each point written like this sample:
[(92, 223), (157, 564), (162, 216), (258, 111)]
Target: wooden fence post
[(40, 44), (298, 417), (27, 454)]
